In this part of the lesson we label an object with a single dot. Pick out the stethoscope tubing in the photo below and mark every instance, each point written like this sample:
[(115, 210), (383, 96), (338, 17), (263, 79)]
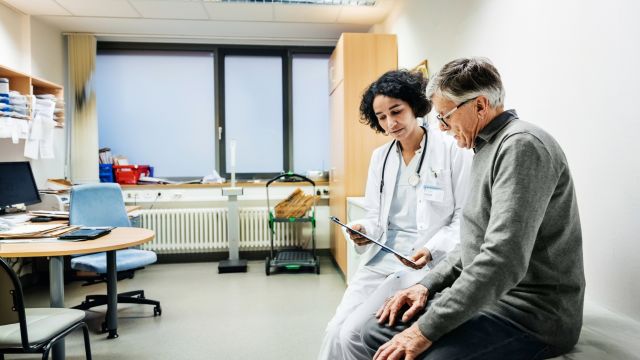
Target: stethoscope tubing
[(393, 143)]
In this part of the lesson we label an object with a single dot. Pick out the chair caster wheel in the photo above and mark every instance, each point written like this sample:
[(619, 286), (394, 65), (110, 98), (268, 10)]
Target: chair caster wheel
[(157, 311), (267, 266)]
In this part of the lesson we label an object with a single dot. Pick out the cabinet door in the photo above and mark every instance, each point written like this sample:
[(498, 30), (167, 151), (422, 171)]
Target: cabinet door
[(337, 200)]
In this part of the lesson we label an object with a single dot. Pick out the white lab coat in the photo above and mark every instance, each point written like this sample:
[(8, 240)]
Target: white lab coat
[(446, 168)]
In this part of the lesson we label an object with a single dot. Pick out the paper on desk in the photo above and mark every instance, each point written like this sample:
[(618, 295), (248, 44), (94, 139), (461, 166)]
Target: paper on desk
[(30, 230), (17, 219), (50, 213)]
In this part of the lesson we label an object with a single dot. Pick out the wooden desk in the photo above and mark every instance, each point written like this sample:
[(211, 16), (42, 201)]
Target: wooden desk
[(119, 238)]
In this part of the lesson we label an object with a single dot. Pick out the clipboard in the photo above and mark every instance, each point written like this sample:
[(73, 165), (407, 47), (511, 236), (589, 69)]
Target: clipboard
[(86, 233), (383, 246)]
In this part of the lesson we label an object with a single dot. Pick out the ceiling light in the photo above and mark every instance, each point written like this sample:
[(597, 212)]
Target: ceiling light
[(303, 2)]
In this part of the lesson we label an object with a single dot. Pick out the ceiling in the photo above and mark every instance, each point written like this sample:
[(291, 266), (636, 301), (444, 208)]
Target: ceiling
[(205, 20)]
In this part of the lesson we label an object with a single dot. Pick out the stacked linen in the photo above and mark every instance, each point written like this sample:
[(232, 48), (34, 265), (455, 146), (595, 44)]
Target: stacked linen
[(12, 103), (14, 109), (15, 105)]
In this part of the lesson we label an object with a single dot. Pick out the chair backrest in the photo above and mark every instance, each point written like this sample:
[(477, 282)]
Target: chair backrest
[(97, 205), (12, 301)]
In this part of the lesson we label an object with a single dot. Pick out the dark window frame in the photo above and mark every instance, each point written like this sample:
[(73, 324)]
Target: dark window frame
[(219, 52)]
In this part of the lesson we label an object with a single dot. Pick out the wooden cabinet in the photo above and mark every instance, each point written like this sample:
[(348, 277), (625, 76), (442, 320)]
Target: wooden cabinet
[(31, 85), (357, 61)]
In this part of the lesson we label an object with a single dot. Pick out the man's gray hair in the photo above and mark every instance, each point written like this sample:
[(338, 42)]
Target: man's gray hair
[(467, 78)]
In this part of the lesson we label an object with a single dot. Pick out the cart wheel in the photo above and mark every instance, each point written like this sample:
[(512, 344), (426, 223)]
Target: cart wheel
[(267, 266), (157, 311)]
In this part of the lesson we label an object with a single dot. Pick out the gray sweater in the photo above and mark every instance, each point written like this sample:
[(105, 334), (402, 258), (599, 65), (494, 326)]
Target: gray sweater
[(520, 251)]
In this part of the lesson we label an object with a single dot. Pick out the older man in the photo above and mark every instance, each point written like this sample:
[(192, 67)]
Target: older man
[(514, 287)]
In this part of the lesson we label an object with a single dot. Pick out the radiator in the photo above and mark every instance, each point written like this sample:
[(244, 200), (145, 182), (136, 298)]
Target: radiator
[(205, 230)]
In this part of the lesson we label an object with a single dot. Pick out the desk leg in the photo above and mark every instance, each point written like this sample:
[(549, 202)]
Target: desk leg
[(112, 295), (56, 296)]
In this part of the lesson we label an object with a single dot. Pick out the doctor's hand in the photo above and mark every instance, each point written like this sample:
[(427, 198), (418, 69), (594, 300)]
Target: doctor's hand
[(414, 297), (420, 258), (407, 345), (356, 238)]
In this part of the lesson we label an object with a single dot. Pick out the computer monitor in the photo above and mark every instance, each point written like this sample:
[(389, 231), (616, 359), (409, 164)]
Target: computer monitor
[(17, 185)]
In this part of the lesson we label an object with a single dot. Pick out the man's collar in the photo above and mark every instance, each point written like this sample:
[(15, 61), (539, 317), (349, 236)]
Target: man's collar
[(493, 128)]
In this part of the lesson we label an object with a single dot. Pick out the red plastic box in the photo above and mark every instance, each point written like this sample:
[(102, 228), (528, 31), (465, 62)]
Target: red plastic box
[(129, 174)]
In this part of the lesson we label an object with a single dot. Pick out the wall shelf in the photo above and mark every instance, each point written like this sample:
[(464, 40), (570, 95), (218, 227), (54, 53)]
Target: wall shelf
[(30, 85)]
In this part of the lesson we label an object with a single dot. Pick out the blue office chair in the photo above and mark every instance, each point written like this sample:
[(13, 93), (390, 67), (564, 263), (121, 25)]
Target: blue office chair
[(103, 205)]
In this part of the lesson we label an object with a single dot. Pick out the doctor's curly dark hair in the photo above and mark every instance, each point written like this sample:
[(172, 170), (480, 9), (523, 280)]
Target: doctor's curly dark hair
[(402, 84)]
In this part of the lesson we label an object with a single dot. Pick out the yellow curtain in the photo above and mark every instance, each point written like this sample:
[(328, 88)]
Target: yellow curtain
[(84, 121)]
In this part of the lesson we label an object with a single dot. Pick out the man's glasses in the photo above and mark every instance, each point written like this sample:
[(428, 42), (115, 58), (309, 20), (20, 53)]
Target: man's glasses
[(443, 118)]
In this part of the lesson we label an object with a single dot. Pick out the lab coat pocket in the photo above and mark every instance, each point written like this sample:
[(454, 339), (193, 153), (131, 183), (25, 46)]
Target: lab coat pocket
[(437, 190)]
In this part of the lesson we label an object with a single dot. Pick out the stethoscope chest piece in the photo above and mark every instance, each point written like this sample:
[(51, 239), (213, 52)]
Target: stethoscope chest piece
[(414, 179)]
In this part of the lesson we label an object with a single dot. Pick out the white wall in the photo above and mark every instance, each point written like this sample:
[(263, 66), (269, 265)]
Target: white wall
[(36, 48), (47, 52), (569, 66), (14, 30)]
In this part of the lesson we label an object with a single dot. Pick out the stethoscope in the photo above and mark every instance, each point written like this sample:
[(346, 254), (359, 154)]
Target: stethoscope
[(414, 179)]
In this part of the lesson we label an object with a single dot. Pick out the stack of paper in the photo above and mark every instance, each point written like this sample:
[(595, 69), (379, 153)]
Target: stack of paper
[(51, 214), (155, 180), (36, 231), (104, 154), (57, 186)]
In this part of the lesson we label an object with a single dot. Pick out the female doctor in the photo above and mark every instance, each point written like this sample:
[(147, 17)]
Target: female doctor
[(415, 190)]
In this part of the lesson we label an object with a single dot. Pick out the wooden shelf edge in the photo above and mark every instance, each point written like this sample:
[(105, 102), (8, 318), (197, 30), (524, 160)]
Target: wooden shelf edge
[(44, 83)]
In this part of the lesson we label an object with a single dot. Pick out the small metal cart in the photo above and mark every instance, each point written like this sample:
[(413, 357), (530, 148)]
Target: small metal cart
[(296, 258)]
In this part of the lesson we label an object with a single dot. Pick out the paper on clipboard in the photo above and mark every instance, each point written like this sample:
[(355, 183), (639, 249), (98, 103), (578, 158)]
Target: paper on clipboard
[(383, 246)]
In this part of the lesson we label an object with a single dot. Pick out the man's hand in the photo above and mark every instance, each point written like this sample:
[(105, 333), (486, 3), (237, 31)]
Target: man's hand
[(406, 345), (357, 238), (415, 297), (420, 257)]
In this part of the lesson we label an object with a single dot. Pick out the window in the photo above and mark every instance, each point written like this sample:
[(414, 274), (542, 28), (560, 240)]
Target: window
[(177, 107), (157, 108), (310, 97), (253, 113)]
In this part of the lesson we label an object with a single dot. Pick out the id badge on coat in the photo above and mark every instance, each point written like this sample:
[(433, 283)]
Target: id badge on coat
[(433, 193)]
